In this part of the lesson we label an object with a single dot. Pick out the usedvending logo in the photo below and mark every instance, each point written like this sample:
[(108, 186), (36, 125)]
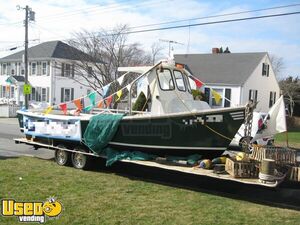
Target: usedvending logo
[(31, 211)]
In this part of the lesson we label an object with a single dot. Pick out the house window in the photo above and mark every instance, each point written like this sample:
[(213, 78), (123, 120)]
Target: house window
[(4, 69), (44, 68), (253, 95), (265, 69), (179, 80), (272, 98), (227, 97), (12, 92), (67, 94), (33, 93), (213, 100), (3, 91), (33, 68), (44, 94), (68, 70)]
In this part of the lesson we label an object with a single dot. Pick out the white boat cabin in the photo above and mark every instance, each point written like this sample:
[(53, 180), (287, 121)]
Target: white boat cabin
[(170, 89)]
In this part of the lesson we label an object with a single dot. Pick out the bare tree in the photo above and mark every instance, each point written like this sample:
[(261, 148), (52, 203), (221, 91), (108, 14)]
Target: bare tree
[(102, 53), (156, 49), (291, 92), (278, 65)]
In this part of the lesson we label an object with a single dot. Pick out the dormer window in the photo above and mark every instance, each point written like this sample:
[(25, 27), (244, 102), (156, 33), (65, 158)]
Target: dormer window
[(265, 69)]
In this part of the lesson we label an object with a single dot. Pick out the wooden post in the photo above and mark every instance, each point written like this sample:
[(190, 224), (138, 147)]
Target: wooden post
[(287, 139)]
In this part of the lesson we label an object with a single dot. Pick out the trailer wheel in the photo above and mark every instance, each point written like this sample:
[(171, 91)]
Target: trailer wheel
[(79, 160), (62, 157)]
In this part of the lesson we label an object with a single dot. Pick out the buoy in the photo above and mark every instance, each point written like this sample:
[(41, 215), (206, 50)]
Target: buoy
[(205, 164), (241, 156), (219, 160)]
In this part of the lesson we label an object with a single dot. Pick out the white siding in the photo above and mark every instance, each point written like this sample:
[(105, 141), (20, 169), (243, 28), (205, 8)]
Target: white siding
[(263, 84)]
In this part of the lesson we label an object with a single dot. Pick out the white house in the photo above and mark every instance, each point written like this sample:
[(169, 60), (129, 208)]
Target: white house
[(50, 73), (237, 77)]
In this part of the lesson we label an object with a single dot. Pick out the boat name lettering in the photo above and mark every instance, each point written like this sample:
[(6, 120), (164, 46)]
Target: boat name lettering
[(204, 119)]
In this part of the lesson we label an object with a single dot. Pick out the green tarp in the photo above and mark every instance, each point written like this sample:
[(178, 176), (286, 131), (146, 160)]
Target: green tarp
[(101, 130)]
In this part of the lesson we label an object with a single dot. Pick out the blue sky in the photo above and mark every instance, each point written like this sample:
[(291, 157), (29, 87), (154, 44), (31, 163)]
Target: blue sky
[(58, 20)]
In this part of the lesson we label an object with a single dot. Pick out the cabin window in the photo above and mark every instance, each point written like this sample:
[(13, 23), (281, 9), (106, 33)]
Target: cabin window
[(179, 80), (165, 80)]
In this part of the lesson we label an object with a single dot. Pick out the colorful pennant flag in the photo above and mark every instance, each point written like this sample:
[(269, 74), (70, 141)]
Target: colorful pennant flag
[(217, 96), (63, 107), (108, 101), (100, 104), (48, 110), (199, 83), (88, 108), (120, 79), (119, 94), (92, 97), (105, 89), (78, 104)]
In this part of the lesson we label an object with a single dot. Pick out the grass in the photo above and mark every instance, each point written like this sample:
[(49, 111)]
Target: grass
[(293, 139), (90, 197)]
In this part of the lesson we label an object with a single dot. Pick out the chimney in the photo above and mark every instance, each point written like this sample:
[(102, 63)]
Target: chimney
[(215, 50)]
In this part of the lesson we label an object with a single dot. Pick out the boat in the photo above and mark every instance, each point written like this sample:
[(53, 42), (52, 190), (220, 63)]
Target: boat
[(173, 124)]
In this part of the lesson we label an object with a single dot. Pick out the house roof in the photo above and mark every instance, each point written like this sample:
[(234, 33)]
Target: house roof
[(231, 68), (50, 49)]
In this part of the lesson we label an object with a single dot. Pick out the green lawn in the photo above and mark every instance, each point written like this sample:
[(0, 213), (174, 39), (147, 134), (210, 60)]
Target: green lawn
[(293, 138), (90, 197)]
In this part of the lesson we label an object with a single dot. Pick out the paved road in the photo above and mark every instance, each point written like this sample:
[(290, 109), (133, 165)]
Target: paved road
[(9, 130), (286, 195)]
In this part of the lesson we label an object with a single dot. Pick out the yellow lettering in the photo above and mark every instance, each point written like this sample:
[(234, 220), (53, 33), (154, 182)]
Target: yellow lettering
[(28, 209), (38, 208), (18, 209), (7, 207)]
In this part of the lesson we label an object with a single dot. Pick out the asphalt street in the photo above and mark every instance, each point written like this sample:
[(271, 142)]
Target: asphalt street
[(286, 196), (9, 129)]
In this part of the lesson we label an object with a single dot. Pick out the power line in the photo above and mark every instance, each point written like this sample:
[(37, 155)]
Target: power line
[(210, 23), (215, 16)]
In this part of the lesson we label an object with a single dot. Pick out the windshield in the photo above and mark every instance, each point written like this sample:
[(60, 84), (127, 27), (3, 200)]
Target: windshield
[(179, 80)]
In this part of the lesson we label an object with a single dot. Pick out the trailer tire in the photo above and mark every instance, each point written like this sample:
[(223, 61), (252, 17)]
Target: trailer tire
[(62, 157), (81, 161)]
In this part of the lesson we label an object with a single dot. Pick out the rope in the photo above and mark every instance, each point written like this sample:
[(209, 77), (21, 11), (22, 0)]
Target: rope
[(211, 129)]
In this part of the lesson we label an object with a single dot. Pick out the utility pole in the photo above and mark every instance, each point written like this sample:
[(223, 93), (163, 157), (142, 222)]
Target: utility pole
[(29, 16), (170, 41)]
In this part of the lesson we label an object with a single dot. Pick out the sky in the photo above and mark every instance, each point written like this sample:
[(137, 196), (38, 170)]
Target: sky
[(60, 20)]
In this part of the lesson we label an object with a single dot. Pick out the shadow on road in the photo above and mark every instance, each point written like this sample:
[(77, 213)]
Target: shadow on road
[(285, 196)]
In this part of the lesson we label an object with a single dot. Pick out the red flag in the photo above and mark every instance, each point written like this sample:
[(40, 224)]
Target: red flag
[(108, 100), (199, 83), (78, 104), (63, 107)]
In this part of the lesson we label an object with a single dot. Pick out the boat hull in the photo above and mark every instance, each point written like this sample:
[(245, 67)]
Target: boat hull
[(207, 133), (180, 134)]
